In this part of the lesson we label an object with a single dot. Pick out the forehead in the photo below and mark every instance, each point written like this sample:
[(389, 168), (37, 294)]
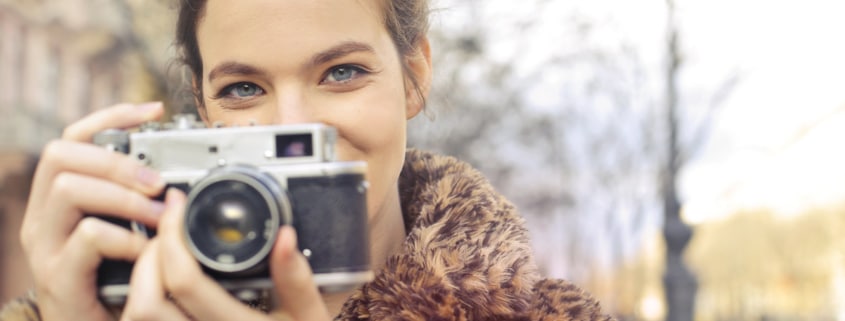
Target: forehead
[(293, 8), (290, 22)]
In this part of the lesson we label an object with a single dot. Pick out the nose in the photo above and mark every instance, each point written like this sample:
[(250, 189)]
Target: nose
[(292, 108)]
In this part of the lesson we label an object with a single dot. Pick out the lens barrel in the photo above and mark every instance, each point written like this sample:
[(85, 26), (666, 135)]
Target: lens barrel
[(232, 218)]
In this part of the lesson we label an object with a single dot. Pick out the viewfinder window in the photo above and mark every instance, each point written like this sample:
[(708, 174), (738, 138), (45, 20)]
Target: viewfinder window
[(296, 145)]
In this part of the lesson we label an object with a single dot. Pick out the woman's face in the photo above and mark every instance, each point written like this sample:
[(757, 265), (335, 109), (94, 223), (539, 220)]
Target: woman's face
[(297, 61)]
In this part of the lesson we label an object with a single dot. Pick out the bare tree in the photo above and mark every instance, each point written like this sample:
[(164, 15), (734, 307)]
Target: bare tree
[(602, 164), (685, 135), (579, 165), (679, 282)]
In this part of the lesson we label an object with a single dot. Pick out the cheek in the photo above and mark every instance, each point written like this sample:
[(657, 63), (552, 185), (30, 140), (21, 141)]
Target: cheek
[(375, 133), (385, 156), (373, 121)]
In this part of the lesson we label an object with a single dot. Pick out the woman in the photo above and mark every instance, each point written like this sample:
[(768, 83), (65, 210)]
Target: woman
[(444, 245)]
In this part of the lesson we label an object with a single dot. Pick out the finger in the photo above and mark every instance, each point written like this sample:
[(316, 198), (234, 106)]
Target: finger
[(294, 281), (90, 242), (72, 194), (68, 282), (198, 294), (90, 160), (118, 116), (147, 298)]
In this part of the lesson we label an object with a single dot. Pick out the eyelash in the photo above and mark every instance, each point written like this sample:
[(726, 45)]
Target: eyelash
[(226, 91), (357, 71)]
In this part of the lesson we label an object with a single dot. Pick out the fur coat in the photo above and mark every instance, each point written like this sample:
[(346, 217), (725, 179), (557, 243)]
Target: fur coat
[(466, 256)]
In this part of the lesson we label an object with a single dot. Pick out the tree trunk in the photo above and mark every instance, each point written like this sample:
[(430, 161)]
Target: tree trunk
[(679, 283)]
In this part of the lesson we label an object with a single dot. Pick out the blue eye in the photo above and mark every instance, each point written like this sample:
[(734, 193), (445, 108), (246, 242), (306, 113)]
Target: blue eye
[(343, 73), (241, 90)]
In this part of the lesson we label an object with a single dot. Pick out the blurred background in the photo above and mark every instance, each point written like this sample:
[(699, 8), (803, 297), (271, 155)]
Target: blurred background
[(676, 158)]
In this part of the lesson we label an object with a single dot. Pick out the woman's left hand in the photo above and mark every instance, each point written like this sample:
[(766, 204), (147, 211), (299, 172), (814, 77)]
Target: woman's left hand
[(168, 283)]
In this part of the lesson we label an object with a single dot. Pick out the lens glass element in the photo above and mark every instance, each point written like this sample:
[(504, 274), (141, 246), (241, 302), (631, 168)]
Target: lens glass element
[(229, 222)]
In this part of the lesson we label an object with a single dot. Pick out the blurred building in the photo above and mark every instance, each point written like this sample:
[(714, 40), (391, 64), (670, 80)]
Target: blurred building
[(60, 60)]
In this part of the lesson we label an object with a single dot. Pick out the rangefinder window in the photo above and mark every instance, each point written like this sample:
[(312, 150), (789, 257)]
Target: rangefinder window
[(298, 145)]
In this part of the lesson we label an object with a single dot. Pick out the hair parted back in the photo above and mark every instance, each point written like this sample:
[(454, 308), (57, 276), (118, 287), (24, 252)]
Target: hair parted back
[(405, 20)]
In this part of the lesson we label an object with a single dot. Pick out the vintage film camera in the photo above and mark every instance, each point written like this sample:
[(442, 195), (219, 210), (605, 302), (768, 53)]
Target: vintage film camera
[(243, 183)]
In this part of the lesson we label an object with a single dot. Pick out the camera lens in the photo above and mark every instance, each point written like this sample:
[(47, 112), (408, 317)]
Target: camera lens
[(232, 218), (229, 215), (231, 222)]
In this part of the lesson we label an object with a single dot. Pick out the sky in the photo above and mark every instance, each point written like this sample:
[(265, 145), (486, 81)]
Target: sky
[(776, 140), (773, 144), (788, 59)]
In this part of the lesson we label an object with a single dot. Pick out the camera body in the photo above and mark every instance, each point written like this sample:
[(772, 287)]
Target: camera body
[(243, 184)]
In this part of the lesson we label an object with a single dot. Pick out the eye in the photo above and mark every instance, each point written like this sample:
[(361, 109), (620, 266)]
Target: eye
[(343, 73), (241, 90)]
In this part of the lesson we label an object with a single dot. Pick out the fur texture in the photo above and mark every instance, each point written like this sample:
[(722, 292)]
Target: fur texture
[(466, 257)]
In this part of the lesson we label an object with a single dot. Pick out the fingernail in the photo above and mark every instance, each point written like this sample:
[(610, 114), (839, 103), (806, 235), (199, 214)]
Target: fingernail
[(149, 177), (290, 233), (149, 106), (172, 195), (151, 110), (157, 209)]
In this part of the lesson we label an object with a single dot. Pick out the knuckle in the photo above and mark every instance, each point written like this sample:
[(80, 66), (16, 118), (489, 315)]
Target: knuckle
[(26, 236), (88, 229), (181, 285), (26, 231), (63, 185), (53, 151)]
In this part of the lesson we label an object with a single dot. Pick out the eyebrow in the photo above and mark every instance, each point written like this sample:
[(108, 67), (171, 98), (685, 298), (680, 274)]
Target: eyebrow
[(234, 68), (338, 51)]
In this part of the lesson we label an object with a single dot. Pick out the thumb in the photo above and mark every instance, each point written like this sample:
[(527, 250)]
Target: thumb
[(298, 295)]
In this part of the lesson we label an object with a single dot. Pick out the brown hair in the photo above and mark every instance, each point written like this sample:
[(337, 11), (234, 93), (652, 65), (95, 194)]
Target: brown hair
[(406, 22)]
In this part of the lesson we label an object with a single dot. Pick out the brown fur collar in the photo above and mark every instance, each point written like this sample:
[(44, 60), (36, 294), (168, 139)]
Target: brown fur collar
[(466, 256)]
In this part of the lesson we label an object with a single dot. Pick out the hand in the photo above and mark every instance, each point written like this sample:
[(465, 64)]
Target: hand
[(166, 267), (63, 246)]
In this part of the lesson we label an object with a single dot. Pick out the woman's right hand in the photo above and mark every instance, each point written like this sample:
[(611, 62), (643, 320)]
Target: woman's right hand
[(64, 247)]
